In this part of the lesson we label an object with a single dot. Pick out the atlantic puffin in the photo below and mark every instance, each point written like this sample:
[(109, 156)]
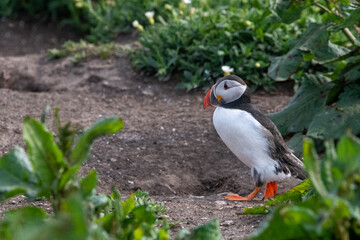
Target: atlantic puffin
[(251, 136)]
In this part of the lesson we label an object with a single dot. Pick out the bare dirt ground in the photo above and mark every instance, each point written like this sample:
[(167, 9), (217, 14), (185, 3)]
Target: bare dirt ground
[(168, 146)]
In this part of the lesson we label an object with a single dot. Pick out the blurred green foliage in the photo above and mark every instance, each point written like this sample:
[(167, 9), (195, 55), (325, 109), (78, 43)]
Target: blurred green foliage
[(82, 50), (99, 20), (331, 209), (200, 37)]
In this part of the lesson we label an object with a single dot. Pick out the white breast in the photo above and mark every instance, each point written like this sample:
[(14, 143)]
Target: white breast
[(245, 137)]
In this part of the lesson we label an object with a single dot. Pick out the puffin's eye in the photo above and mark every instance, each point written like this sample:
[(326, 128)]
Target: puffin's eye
[(226, 87)]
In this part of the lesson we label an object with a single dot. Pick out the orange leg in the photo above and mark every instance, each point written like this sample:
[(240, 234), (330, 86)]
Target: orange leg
[(235, 197), (270, 189)]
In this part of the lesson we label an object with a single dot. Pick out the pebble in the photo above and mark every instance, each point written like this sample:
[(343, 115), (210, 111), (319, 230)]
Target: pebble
[(227, 223)]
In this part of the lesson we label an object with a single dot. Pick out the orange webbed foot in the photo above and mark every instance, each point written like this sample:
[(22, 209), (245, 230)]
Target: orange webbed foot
[(235, 197), (270, 189)]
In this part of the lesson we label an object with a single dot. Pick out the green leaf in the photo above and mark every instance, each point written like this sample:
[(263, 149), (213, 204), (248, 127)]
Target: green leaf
[(21, 224), (283, 223), (29, 214), (295, 143), (308, 101), (44, 154), (69, 223), (314, 40), (89, 183), (312, 166), (45, 112), (141, 214), (332, 122), (83, 145), (288, 11), (17, 175), (348, 154), (208, 231), (281, 68), (99, 200), (68, 177), (350, 21), (351, 73), (327, 164), (128, 205)]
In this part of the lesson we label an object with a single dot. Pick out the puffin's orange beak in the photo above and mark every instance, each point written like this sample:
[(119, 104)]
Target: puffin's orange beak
[(207, 100)]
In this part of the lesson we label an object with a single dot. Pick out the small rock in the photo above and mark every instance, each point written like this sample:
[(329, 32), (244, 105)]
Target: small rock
[(227, 223), (220, 202), (148, 92), (199, 197)]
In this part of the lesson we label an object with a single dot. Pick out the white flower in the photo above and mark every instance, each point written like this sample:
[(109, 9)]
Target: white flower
[(135, 23), (187, 1), (149, 14), (227, 69)]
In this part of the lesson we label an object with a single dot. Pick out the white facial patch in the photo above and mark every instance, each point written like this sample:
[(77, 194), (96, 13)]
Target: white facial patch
[(229, 90)]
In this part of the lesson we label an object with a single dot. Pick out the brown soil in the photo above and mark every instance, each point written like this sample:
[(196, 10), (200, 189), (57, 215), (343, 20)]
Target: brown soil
[(168, 146)]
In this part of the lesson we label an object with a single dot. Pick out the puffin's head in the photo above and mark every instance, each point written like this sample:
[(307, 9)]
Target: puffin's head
[(226, 90)]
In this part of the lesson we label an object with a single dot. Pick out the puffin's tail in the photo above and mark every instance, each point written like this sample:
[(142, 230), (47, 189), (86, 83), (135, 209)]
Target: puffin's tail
[(296, 167)]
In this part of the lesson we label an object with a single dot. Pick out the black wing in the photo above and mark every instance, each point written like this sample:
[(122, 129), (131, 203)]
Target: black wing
[(279, 151)]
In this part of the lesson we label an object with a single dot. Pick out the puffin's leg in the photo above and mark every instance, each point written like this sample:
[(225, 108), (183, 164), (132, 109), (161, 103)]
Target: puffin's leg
[(270, 189), (235, 197)]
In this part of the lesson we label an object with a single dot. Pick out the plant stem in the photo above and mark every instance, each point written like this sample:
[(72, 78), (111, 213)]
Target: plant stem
[(357, 29), (346, 31), (349, 35), (323, 7)]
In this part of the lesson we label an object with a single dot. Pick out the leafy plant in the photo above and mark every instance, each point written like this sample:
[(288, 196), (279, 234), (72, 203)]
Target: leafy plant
[(108, 18), (333, 212), (49, 171), (99, 20), (197, 40), (327, 60)]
